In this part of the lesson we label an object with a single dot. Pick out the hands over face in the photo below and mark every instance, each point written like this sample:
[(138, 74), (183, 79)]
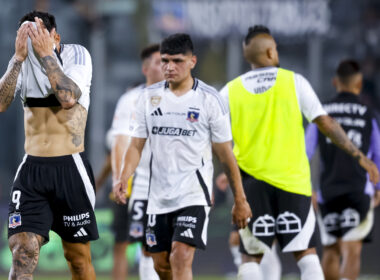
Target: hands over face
[(21, 46), (42, 40)]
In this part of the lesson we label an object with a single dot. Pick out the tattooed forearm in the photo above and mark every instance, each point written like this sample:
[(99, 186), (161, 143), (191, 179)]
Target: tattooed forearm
[(8, 84), (66, 91), (77, 117), (25, 249), (330, 128)]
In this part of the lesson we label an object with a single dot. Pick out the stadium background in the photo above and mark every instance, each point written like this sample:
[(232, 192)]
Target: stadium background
[(312, 37)]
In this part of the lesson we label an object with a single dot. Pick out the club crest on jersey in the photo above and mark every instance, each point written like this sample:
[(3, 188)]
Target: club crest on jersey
[(151, 239), (155, 100), (192, 116), (14, 220)]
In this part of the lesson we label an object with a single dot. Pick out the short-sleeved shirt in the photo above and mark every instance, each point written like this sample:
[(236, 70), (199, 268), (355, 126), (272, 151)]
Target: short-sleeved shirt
[(121, 125), (181, 130), (261, 79), (75, 62)]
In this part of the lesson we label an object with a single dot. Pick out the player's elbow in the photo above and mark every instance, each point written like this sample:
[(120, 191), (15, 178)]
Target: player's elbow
[(68, 104)]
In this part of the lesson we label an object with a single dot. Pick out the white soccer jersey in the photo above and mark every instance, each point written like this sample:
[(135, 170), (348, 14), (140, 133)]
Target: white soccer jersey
[(180, 131), (76, 64), (262, 79), (121, 126)]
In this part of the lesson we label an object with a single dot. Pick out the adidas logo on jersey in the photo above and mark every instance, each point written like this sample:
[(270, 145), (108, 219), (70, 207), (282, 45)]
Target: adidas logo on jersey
[(157, 112), (81, 232), (187, 233)]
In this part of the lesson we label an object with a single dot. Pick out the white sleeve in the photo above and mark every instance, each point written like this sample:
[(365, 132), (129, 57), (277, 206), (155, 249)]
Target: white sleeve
[(224, 94), (219, 120), (308, 101), (122, 116), (19, 78), (80, 71), (139, 127)]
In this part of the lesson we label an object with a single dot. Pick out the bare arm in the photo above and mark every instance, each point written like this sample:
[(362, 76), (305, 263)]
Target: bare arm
[(130, 161), (66, 91), (241, 210), (119, 148), (106, 170), (330, 128), (9, 80)]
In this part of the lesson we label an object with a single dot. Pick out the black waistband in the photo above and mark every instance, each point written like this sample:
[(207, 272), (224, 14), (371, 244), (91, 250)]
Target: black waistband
[(50, 101), (50, 160)]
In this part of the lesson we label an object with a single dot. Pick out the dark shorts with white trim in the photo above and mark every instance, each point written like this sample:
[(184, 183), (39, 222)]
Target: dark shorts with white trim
[(137, 221), (348, 217), (120, 222), (54, 193), (187, 225), (277, 214)]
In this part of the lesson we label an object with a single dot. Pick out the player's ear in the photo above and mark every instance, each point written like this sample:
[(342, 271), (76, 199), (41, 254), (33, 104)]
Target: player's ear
[(57, 37), (193, 61), (334, 82)]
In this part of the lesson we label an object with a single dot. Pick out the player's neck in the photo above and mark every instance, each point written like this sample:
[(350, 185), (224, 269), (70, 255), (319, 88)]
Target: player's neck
[(182, 87)]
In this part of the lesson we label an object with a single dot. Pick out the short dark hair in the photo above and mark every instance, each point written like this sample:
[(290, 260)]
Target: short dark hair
[(253, 31), (149, 50), (179, 43), (48, 19), (346, 69)]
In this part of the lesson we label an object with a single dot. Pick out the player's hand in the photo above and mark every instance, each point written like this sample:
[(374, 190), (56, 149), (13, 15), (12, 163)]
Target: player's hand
[(371, 168), (376, 198), (21, 45), (241, 213), (222, 182), (120, 191), (42, 40)]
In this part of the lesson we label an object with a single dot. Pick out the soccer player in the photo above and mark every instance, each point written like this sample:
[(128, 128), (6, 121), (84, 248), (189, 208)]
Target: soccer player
[(137, 217), (184, 120), (266, 106), (270, 264), (54, 185), (346, 197)]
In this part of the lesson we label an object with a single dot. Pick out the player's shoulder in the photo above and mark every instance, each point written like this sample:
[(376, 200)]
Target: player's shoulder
[(210, 94), (76, 53)]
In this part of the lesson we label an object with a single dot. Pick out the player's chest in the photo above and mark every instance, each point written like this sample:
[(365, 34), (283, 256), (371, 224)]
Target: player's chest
[(189, 113)]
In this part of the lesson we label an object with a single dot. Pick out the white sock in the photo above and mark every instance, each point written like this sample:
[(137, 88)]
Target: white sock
[(236, 255), (271, 265), (250, 271), (146, 269), (310, 268)]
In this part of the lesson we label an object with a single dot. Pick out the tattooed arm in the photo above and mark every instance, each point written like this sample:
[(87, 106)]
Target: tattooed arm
[(66, 91), (241, 210), (8, 84), (330, 128), (9, 80)]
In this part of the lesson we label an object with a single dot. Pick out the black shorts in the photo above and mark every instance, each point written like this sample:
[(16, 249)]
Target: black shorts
[(137, 220), (54, 193), (187, 225), (277, 214), (120, 222), (348, 217)]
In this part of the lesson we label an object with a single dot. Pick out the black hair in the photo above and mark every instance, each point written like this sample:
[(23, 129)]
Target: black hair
[(179, 43), (48, 19), (149, 50), (253, 31), (346, 69)]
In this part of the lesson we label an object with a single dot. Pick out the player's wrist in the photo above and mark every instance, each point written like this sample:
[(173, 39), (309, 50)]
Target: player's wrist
[(18, 58)]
